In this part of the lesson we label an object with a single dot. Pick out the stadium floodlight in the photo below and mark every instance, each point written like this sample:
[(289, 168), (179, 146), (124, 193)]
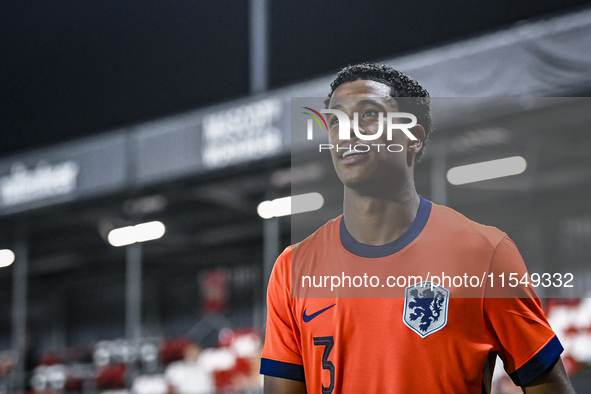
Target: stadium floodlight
[(486, 170), (6, 257), (139, 233), (290, 205)]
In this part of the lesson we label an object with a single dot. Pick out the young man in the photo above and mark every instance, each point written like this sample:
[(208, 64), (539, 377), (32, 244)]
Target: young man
[(441, 339)]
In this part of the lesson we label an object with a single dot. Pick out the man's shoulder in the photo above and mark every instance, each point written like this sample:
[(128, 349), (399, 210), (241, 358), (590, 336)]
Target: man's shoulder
[(454, 222), (324, 236), (318, 240)]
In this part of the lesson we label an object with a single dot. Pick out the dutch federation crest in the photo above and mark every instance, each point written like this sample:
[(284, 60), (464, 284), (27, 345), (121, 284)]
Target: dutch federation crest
[(425, 308)]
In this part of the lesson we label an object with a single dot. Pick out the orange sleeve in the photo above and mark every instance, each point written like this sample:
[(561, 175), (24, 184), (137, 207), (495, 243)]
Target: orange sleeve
[(282, 351), (515, 319)]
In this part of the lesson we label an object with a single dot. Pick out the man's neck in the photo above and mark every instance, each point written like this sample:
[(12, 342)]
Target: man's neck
[(377, 220)]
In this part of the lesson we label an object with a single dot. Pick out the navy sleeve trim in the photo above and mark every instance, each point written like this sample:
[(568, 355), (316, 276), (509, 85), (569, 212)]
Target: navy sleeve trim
[(283, 370), (538, 364)]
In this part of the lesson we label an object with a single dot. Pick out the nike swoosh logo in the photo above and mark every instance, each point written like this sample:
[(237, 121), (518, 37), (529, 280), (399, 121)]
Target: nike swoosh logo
[(308, 318)]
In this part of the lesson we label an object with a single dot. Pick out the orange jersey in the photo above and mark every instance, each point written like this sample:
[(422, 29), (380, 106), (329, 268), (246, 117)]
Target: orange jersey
[(441, 339)]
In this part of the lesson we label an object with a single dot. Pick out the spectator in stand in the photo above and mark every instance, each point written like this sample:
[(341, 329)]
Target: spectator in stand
[(249, 380), (190, 376)]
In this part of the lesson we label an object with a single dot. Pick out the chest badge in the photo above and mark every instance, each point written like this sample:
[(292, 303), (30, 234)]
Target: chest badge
[(425, 308)]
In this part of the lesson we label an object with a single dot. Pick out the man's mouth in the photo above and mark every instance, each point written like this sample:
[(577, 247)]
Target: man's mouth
[(352, 153)]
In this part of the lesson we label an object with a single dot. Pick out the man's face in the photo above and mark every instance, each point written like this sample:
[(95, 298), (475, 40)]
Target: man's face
[(374, 170)]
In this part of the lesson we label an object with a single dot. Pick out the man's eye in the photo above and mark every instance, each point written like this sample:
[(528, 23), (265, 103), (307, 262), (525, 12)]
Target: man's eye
[(334, 121), (370, 113)]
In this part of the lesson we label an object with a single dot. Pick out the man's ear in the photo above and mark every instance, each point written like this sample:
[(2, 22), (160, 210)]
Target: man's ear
[(415, 146)]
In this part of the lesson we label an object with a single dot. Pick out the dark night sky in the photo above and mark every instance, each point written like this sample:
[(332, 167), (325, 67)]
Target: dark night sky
[(74, 68)]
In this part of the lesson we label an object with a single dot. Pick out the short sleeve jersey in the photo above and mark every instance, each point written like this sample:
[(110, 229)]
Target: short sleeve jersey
[(421, 342)]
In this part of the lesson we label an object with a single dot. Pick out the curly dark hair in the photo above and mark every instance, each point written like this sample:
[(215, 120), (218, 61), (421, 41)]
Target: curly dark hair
[(401, 85)]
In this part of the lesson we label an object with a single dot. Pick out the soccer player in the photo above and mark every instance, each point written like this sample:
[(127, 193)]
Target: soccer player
[(440, 339)]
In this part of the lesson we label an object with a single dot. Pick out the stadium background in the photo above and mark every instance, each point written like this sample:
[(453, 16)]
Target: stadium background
[(104, 124)]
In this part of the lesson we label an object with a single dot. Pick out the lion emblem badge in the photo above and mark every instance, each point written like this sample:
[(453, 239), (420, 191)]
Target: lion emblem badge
[(425, 308)]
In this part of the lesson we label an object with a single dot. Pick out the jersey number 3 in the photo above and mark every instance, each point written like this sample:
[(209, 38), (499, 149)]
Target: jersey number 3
[(328, 343)]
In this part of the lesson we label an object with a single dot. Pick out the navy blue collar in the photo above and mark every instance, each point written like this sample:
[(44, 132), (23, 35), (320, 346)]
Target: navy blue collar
[(395, 246)]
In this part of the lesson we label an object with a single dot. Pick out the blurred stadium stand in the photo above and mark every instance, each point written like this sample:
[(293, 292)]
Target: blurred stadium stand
[(203, 177)]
